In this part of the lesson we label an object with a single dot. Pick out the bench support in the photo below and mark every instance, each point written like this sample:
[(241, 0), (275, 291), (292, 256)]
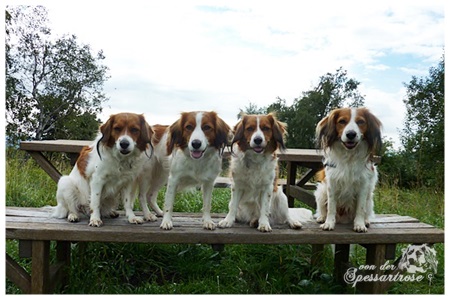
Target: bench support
[(44, 277)]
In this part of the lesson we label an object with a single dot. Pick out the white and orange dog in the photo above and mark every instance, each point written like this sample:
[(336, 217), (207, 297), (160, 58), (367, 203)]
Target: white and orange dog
[(349, 137), (154, 174), (105, 172), (256, 197), (195, 144)]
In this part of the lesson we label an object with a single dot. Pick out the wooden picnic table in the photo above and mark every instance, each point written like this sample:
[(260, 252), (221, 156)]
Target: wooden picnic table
[(35, 229), (309, 159)]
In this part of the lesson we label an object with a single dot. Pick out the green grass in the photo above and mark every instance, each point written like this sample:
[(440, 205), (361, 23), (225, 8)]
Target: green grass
[(122, 268)]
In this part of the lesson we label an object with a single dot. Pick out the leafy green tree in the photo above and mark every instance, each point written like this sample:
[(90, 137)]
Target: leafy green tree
[(423, 135), (333, 90), (50, 82), (251, 109)]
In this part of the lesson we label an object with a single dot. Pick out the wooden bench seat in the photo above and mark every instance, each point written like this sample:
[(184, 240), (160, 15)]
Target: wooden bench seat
[(35, 229)]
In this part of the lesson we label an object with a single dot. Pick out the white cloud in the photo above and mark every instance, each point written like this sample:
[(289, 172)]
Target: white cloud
[(168, 56)]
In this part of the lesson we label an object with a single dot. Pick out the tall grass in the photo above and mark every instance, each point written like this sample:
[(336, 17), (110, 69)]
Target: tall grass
[(122, 268)]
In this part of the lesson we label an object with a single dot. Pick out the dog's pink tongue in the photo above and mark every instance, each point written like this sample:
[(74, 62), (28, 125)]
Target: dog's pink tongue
[(258, 149), (196, 154)]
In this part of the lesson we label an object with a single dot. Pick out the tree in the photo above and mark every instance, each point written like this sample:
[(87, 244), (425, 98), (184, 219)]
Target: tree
[(423, 135), (49, 82), (251, 109), (333, 90)]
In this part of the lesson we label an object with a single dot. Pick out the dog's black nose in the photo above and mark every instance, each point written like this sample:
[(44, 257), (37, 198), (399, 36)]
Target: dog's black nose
[(258, 140), (351, 134), (196, 144), (124, 144)]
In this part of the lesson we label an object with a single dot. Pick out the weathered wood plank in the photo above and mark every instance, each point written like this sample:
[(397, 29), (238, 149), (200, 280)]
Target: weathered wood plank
[(28, 211), (148, 233), (75, 146), (31, 224), (17, 275), (45, 164), (69, 146), (40, 271), (375, 256), (302, 194), (197, 223)]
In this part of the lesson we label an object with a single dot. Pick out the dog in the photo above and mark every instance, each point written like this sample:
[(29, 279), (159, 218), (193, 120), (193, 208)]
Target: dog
[(154, 174), (350, 137), (256, 197), (195, 142), (105, 172)]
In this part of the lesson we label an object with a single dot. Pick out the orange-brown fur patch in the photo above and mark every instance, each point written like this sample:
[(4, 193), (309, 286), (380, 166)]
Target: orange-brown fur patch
[(82, 160), (320, 175), (158, 132)]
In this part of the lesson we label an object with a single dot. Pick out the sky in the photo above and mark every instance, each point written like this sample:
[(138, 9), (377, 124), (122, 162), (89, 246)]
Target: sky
[(165, 57)]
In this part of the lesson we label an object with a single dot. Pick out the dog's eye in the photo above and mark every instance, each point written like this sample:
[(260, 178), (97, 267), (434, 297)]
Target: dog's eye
[(206, 127), (265, 128), (189, 127), (117, 129), (249, 128), (342, 122), (134, 130), (360, 122)]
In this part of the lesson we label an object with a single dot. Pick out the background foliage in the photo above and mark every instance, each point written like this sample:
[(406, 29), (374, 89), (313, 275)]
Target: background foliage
[(52, 83), (420, 162)]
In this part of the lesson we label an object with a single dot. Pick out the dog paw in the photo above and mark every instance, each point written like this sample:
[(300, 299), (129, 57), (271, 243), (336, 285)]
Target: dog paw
[(150, 217), (295, 224), (320, 219), (359, 228), (225, 223), (254, 223), (72, 218), (135, 220), (210, 225), (264, 227), (113, 214), (159, 212), (95, 222), (166, 225), (327, 226)]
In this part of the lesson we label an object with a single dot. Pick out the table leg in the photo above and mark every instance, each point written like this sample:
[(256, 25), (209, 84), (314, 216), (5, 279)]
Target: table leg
[(40, 267), (375, 256), (341, 256), (63, 257), (291, 176)]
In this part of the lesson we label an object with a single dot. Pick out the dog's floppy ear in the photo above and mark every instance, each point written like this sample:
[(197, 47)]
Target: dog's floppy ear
[(105, 130), (222, 132), (278, 131), (175, 136), (239, 134), (326, 132), (146, 135), (373, 133), (321, 129)]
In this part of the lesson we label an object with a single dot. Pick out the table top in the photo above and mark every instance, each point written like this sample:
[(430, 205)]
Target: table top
[(75, 146), (36, 224)]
